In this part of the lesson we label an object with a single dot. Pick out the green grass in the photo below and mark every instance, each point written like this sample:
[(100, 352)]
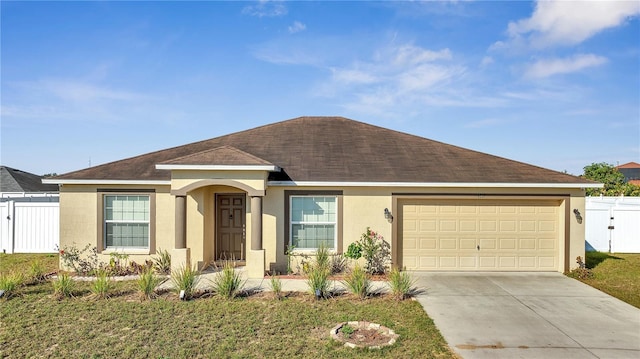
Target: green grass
[(34, 324), (616, 274), (22, 262)]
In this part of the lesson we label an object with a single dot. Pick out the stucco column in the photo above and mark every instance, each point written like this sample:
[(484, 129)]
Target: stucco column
[(256, 223), (181, 222)]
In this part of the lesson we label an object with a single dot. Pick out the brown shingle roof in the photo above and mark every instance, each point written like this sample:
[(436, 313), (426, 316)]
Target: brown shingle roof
[(629, 165), (224, 155), (336, 149)]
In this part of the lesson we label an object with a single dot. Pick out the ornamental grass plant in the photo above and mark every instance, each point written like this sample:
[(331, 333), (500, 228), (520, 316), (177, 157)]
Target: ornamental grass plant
[(358, 282), (228, 283), (401, 284), (185, 278), (63, 286), (10, 282), (147, 283)]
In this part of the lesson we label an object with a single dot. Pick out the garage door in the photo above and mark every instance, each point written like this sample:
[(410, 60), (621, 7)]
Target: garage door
[(480, 235)]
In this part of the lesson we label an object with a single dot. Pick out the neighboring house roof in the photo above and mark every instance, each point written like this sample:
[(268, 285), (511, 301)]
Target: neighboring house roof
[(333, 149), (631, 172), (629, 165), (14, 180)]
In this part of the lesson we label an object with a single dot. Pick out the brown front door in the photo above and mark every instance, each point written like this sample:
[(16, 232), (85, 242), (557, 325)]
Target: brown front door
[(230, 224)]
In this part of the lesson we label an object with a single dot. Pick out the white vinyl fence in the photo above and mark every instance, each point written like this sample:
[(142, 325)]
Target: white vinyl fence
[(613, 224), (29, 227)]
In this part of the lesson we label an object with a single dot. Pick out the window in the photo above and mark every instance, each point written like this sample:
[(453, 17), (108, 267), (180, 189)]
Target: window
[(313, 222), (126, 221)]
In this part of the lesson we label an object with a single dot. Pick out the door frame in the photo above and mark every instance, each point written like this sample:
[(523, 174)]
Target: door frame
[(218, 213)]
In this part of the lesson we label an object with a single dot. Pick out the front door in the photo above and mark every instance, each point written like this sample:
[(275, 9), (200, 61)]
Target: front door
[(230, 225)]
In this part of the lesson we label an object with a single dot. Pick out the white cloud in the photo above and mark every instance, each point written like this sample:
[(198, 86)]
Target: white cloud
[(413, 55), (561, 23), (266, 8), (549, 67), (486, 61), (297, 27)]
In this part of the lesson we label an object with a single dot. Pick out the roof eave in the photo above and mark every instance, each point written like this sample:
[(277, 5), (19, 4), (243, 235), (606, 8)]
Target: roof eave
[(434, 184), (105, 182), (270, 168)]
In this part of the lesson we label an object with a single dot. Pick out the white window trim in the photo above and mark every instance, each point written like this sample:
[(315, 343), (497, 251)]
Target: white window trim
[(292, 222), (120, 249)]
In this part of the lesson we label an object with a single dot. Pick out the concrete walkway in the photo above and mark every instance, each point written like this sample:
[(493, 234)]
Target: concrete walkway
[(528, 315)]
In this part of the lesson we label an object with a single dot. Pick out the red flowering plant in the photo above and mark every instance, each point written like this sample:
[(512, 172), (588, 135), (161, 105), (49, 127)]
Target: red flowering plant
[(76, 259), (375, 250)]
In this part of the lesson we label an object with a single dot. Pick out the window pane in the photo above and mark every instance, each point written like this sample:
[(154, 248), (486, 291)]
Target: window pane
[(305, 236), (313, 209), (127, 235)]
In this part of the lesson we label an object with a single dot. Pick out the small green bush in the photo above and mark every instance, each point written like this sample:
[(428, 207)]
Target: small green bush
[(63, 286), (10, 283), (357, 282), (185, 279), (102, 285), (147, 283), (228, 283), (162, 262), (347, 330), (354, 251), (401, 284)]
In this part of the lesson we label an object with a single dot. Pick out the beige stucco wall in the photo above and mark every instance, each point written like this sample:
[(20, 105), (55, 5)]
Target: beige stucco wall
[(79, 218), (362, 207)]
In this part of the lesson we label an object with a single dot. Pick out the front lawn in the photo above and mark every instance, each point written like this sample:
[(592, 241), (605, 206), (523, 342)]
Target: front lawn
[(617, 274), (34, 324)]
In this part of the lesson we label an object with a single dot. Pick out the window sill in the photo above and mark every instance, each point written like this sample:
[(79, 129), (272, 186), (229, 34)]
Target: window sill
[(141, 251)]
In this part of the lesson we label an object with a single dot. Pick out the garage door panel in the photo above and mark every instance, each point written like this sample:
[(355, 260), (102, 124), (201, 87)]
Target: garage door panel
[(508, 244), (467, 262), (507, 262), (508, 226), (448, 243), (511, 235), (488, 243), (428, 243)]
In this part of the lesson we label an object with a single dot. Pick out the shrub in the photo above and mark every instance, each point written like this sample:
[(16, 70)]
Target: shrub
[(36, 272), (276, 286), (162, 262), (147, 283), (101, 286), (376, 252), (228, 283), (185, 279), (63, 286), (354, 251), (76, 259), (357, 282), (10, 283), (401, 284)]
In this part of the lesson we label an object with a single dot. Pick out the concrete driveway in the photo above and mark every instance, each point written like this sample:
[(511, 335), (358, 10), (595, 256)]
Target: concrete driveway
[(528, 315)]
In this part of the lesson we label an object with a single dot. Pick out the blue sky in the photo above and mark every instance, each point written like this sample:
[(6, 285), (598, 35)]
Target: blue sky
[(554, 84)]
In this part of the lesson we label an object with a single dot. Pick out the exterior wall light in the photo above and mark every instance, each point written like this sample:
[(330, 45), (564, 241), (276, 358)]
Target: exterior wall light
[(388, 215), (578, 215)]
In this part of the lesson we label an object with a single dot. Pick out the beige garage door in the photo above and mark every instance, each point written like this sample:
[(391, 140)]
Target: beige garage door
[(480, 235)]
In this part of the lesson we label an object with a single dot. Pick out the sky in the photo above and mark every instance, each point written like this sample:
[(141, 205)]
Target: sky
[(553, 84)]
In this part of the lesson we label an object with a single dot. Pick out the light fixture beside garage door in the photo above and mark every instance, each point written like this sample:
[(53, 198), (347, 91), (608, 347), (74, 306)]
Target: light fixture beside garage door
[(387, 215)]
